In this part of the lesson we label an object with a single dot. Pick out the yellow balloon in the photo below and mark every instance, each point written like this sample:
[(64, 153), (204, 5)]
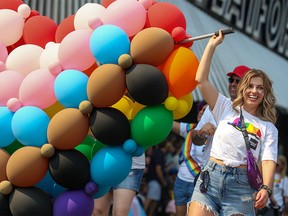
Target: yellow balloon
[(55, 108), (185, 104), (171, 103), (136, 108), (125, 105)]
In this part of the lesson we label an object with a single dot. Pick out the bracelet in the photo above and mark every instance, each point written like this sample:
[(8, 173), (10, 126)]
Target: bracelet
[(267, 188)]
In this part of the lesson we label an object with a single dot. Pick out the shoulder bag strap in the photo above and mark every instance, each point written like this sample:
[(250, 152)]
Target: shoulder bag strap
[(244, 132)]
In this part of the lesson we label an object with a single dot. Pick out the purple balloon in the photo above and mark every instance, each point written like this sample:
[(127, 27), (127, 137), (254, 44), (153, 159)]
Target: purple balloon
[(73, 202)]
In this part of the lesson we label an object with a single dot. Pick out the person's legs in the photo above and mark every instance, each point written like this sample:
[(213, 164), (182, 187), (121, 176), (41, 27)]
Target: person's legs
[(153, 197), (182, 194), (122, 199), (124, 192), (102, 205)]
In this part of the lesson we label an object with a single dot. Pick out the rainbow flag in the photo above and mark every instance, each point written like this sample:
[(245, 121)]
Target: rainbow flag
[(192, 165)]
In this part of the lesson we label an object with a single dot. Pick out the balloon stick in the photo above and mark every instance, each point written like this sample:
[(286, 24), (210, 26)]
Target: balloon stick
[(225, 31)]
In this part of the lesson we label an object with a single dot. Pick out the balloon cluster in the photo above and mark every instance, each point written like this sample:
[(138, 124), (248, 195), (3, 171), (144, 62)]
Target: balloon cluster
[(78, 100)]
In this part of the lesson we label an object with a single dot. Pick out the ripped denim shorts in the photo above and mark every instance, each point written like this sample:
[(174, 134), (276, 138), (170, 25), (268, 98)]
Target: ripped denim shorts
[(224, 190)]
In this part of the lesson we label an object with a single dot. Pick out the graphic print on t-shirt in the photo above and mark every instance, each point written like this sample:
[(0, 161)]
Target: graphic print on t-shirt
[(253, 132)]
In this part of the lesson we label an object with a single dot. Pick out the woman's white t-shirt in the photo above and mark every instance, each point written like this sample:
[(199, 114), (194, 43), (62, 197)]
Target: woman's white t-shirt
[(228, 142)]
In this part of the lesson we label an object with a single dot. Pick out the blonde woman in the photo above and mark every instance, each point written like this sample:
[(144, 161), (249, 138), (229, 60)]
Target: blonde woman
[(223, 187)]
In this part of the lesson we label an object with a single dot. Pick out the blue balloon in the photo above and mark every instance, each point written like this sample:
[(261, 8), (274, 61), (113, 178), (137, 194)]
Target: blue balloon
[(70, 88), (29, 126), (6, 133), (48, 185), (108, 43), (110, 166), (102, 190)]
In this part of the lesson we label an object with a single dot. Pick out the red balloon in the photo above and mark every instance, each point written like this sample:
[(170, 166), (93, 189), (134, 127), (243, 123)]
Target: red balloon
[(20, 42), (106, 3), (10, 4), (32, 14), (64, 28), (166, 16), (39, 30)]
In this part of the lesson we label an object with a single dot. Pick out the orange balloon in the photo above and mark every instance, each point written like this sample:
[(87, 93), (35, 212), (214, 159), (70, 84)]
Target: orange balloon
[(55, 108), (67, 129), (151, 46), (106, 85), (180, 70), (4, 157), (26, 166)]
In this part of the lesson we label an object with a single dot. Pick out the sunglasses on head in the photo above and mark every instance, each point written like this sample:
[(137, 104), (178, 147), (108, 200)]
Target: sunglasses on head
[(232, 79)]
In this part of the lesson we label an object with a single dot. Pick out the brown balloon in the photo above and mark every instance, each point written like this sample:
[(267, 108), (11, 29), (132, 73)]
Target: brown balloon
[(67, 129), (26, 166), (4, 157), (151, 46), (106, 85)]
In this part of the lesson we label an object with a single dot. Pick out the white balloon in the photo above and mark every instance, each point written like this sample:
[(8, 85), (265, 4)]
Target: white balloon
[(24, 59), (88, 12)]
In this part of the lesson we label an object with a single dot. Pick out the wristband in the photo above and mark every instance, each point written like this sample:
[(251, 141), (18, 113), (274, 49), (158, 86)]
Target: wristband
[(267, 188)]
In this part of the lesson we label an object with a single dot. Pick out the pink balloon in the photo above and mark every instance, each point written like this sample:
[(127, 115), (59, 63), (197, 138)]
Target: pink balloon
[(10, 82), (74, 50), (11, 26), (24, 59), (37, 89), (128, 15), (14, 104), (3, 52)]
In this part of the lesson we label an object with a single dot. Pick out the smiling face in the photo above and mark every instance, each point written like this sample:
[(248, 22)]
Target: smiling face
[(256, 96), (253, 95)]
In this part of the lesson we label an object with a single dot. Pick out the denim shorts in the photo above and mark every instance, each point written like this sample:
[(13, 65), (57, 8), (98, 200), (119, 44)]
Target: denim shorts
[(182, 191), (228, 191), (154, 190), (132, 181)]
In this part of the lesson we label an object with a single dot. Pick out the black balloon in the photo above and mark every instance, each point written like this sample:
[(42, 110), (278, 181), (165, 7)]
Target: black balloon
[(146, 84), (70, 169), (30, 201), (4, 205), (110, 126)]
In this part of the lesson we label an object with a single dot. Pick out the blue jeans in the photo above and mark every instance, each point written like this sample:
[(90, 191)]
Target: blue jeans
[(132, 181), (228, 191), (182, 191)]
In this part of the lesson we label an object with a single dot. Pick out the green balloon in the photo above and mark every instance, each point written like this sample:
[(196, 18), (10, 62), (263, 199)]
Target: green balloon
[(96, 147), (13, 147), (86, 147), (89, 140), (151, 125)]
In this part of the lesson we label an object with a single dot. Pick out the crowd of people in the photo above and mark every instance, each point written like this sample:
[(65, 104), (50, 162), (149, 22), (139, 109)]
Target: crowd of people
[(202, 168)]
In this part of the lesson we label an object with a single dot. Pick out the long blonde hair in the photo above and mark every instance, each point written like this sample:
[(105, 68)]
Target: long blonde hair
[(266, 109), (282, 159)]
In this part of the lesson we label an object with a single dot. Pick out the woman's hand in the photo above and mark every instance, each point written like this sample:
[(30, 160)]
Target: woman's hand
[(261, 199), (216, 40)]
